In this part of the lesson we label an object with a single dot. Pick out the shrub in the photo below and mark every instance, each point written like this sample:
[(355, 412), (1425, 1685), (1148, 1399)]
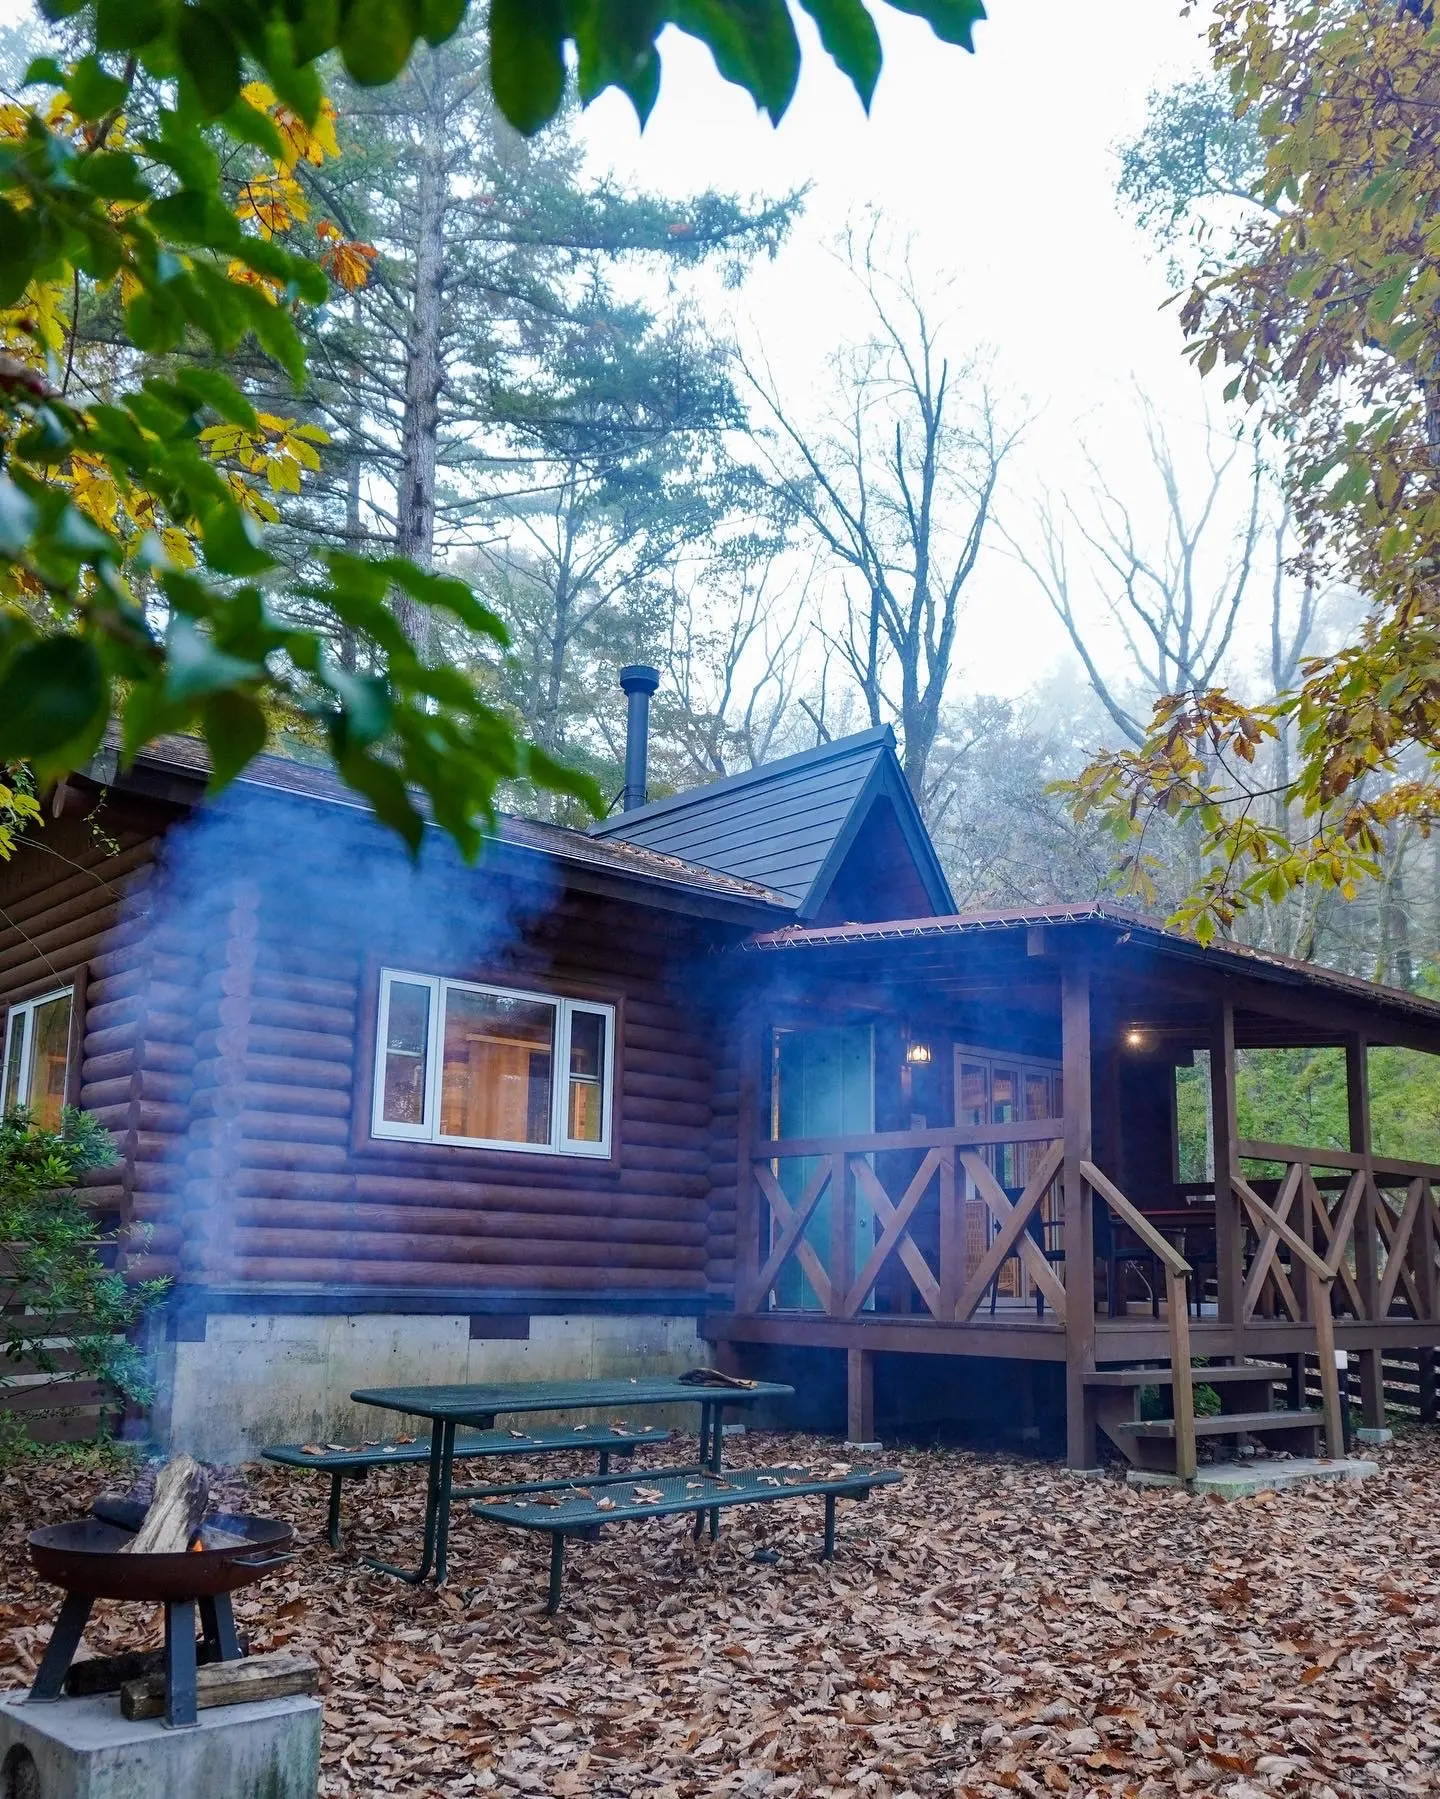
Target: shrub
[(59, 1294)]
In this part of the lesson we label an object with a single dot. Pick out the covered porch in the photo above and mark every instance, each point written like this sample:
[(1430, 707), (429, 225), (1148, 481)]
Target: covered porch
[(1020, 1136)]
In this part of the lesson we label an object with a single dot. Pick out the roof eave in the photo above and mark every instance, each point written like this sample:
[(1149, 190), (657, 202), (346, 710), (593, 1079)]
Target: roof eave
[(184, 786)]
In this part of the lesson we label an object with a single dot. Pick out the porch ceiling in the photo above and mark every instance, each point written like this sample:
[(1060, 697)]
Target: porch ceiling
[(1147, 977)]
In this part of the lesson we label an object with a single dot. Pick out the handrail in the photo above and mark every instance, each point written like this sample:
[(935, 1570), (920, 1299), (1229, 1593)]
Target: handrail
[(958, 1136), (1135, 1220), (1254, 1150), (1273, 1222), (1177, 1312)]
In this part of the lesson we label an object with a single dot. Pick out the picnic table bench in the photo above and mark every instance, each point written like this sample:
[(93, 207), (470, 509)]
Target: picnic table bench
[(478, 1406), (342, 1462), (578, 1511)]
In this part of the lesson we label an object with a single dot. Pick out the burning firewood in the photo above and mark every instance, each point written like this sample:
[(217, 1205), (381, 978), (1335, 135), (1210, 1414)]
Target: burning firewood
[(182, 1496)]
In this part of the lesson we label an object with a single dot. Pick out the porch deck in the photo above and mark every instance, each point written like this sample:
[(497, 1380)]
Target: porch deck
[(1297, 1251)]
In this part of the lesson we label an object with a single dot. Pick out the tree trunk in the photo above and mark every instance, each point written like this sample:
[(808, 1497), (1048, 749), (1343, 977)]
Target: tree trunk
[(415, 492)]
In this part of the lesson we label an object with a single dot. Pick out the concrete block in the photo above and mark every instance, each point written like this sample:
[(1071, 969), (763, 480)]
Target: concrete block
[(84, 1749), (261, 1378), (1239, 1480), (1374, 1436)]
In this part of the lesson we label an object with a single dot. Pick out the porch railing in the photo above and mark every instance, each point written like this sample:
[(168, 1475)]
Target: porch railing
[(844, 1174), (1371, 1221)]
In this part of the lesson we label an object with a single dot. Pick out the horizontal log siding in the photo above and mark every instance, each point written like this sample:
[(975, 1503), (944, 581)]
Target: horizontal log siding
[(272, 1187)]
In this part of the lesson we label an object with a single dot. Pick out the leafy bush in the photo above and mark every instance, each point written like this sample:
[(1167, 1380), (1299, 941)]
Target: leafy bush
[(1152, 1405), (60, 1298)]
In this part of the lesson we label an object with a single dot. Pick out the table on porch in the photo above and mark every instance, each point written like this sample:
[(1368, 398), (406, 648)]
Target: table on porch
[(479, 1406)]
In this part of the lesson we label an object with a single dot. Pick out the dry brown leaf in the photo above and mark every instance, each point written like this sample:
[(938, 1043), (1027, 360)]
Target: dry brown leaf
[(955, 1646)]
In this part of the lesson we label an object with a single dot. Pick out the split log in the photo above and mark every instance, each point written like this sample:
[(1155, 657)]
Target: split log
[(279, 1675), (108, 1673), (182, 1497)]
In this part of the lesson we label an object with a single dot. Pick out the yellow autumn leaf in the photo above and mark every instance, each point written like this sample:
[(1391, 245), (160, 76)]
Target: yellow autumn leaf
[(178, 545), (274, 202), (282, 474), (237, 271), (249, 498), (302, 452)]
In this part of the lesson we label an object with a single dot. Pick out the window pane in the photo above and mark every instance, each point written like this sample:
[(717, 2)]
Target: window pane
[(972, 1105), (1004, 1086), (407, 1032), (49, 1051), (499, 1057), (14, 1044), (587, 1077)]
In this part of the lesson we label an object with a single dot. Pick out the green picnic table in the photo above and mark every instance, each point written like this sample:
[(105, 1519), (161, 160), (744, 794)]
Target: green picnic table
[(477, 1407)]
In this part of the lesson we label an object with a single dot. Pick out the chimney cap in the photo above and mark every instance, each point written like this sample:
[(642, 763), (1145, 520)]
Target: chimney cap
[(639, 677)]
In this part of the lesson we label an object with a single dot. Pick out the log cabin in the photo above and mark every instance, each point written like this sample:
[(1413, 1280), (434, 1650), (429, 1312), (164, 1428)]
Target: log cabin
[(726, 1077)]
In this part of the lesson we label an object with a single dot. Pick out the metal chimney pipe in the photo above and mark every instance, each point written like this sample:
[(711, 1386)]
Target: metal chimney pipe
[(637, 681)]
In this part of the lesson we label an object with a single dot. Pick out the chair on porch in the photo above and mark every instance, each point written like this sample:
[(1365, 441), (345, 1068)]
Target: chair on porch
[(1119, 1250)]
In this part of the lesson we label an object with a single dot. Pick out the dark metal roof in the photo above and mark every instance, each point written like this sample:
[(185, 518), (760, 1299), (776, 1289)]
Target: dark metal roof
[(1240, 957), (787, 824)]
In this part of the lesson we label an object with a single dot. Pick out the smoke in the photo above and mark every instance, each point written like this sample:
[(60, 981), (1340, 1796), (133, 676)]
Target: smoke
[(256, 950)]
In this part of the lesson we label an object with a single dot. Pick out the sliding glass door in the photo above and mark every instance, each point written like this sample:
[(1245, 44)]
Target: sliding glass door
[(994, 1088)]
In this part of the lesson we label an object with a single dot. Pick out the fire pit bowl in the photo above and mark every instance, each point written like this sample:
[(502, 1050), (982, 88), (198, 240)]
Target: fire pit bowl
[(84, 1557)]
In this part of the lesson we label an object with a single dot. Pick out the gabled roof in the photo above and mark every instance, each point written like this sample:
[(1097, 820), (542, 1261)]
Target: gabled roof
[(789, 825)]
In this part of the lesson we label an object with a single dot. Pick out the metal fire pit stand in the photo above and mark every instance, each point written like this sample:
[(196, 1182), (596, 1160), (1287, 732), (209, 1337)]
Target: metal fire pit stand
[(219, 1644)]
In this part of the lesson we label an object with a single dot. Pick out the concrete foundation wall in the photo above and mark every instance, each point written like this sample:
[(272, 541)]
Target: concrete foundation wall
[(265, 1378)]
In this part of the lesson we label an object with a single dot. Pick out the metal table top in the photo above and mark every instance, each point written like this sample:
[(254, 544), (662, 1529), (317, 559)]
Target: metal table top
[(496, 1398)]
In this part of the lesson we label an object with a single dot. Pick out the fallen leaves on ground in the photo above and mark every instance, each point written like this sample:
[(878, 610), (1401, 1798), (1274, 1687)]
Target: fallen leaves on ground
[(990, 1626)]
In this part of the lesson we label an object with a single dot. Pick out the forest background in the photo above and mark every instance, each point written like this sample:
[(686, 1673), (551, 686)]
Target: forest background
[(554, 367)]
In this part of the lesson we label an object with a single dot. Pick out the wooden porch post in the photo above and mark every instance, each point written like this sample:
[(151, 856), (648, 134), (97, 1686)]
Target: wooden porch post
[(1425, 1246), (1229, 1225), (860, 1396), (1081, 1450), (1367, 1262)]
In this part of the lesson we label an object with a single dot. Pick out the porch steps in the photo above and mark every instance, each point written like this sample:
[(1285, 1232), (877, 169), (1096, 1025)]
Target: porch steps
[(1226, 1424), (1246, 1373), (1246, 1392)]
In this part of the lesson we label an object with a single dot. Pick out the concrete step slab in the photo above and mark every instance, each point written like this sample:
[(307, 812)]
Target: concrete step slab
[(1239, 1480)]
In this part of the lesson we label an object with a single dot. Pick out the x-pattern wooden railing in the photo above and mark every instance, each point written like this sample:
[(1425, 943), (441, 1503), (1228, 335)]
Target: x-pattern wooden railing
[(844, 1169), (1373, 1248)]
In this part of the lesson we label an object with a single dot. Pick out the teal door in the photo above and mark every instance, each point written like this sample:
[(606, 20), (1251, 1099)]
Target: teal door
[(824, 1086)]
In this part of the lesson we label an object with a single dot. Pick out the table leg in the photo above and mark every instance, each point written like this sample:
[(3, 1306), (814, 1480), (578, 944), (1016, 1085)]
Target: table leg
[(60, 1652), (447, 1482), (557, 1572), (702, 1459), (181, 1712), (332, 1523), (827, 1554), (717, 1434), (442, 1446)]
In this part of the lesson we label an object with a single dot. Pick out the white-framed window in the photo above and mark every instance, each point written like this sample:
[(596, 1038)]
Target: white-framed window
[(492, 1067), (37, 1056)]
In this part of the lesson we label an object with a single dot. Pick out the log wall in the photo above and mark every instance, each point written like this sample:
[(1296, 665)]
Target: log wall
[(73, 906), (253, 1160)]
